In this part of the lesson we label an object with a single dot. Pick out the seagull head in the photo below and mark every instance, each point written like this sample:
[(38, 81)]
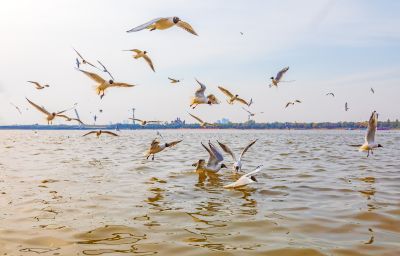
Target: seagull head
[(53, 114), (272, 78), (144, 52), (380, 146), (237, 168), (253, 178), (111, 82), (175, 19), (223, 166)]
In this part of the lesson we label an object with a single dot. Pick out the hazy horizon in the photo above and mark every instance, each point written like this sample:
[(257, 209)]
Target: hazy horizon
[(330, 46)]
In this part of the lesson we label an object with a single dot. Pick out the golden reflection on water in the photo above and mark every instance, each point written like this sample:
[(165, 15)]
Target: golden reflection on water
[(61, 195)]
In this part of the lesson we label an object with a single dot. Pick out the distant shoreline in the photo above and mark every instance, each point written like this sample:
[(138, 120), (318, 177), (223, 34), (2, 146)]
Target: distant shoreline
[(232, 126)]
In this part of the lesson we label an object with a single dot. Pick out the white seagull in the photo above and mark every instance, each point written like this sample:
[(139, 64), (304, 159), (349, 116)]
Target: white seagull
[(277, 79), (245, 179), (369, 143), (200, 97), (214, 163), (237, 165), (164, 23)]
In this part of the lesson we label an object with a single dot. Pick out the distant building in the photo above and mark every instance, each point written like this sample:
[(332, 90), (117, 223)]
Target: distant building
[(178, 121), (224, 121)]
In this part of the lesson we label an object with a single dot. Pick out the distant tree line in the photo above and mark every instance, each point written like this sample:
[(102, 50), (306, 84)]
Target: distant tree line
[(247, 125)]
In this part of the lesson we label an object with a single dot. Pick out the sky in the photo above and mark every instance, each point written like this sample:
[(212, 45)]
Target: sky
[(344, 47)]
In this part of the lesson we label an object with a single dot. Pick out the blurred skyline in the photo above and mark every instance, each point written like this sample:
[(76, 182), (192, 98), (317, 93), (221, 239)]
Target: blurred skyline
[(344, 47)]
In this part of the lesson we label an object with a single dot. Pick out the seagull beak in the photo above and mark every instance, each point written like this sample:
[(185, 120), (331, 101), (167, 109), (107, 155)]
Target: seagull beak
[(195, 164)]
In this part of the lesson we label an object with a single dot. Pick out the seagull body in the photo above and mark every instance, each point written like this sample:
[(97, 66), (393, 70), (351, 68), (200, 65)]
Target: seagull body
[(200, 98), (142, 54), (174, 81), (251, 114), (155, 147), (164, 23), (102, 84), (144, 122), (232, 98), (100, 132), (369, 143), (51, 116), (237, 165), (245, 179), (215, 159), (275, 80), (346, 107), (38, 85), (202, 123), (330, 93)]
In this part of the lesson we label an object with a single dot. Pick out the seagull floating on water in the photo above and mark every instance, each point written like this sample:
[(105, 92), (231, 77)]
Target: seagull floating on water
[(215, 159), (245, 179)]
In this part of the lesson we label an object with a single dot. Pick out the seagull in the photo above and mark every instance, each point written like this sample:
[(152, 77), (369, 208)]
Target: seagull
[(173, 81), (245, 179), (144, 122), (142, 54), (215, 159), (39, 86), (372, 90), (164, 23), (330, 93), (233, 98), (105, 70), (251, 114), (51, 116), (102, 84), (155, 147), (237, 165), (200, 98), (289, 103), (369, 143), (297, 101), (16, 107), (277, 79), (346, 107), (83, 61), (100, 132), (202, 123)]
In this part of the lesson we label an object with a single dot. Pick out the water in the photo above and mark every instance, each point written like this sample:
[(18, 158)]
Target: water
[(61, 194)]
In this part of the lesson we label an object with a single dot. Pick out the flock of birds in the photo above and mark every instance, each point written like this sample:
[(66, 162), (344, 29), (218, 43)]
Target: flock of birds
[(215, 161)]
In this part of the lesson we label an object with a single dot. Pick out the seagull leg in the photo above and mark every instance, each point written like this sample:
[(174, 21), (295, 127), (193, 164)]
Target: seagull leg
[(372, 152), (147, 157), (152, 157), (368, 153)]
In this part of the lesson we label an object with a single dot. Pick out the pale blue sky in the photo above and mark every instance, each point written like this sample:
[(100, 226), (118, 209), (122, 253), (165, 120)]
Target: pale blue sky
[(340, 46)]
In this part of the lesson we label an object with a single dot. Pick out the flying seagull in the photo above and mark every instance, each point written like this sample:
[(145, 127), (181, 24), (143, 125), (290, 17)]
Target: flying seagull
[(372, 90), (50, 116), (103, 85), (38, 85), (200, 98), (237, 165), (277, 79), (202, 123), (144, 122), (164, 23), (142, 54), (346, 107), (232, 98), (16, 107), (369, 143), (100, 132), (155, 147), (83, 61), (173, 81), (330, 93)]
